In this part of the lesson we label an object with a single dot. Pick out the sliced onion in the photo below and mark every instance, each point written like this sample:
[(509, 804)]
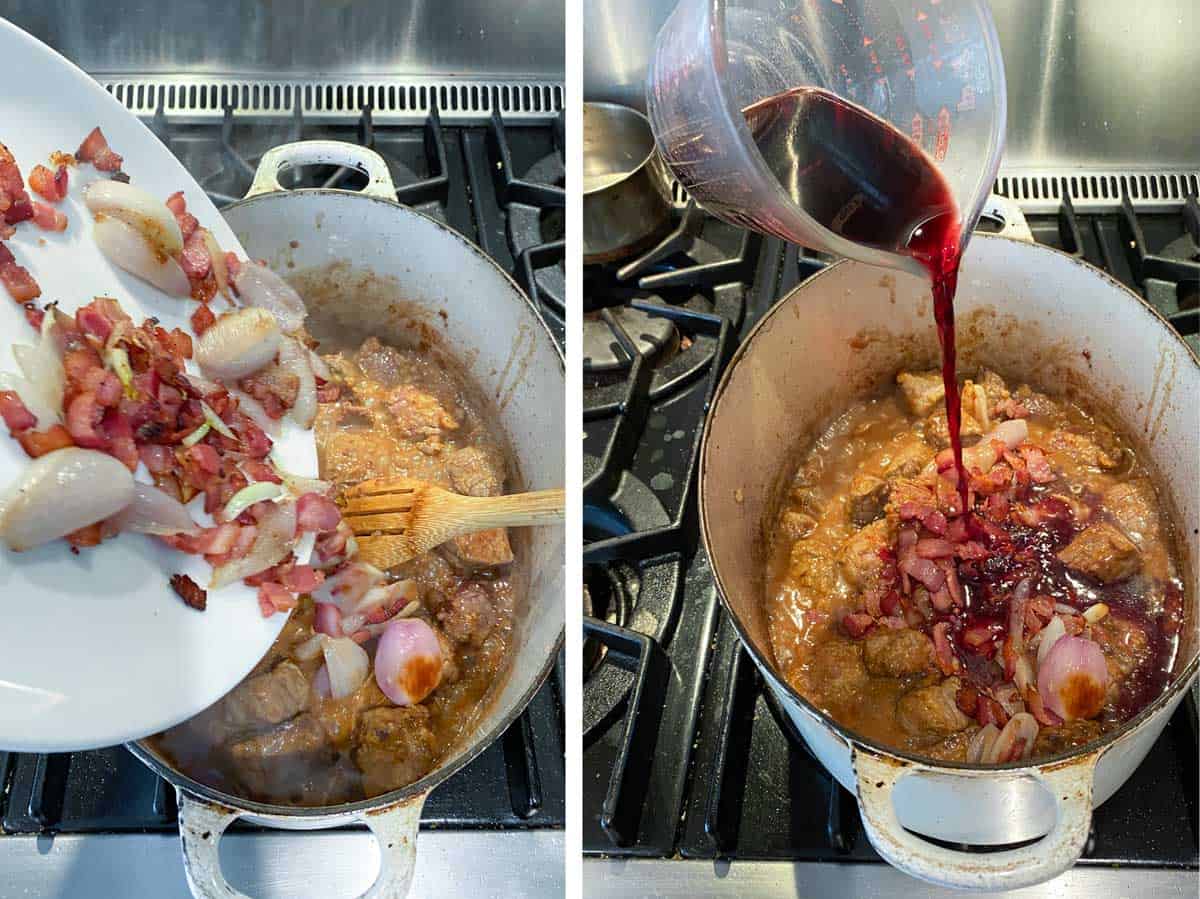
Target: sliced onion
[(1050, 635), (248, 496), (1023, 672), (320, 683), (60, 492), (217, 256), (214, 421), (408, 661), (379, 604), (143, 211), (1073, 678), (293, 359), (327, 619), (983, 455), (197, 435), (348, 586), (981, 743), (118, 360), (44, 376), (348, 665), (237, 344), (276, 535), (298, 485), (154, 512), (254, 411), (125, 248), (261, 287), (1020, 727), (320, 369), (304, 547)]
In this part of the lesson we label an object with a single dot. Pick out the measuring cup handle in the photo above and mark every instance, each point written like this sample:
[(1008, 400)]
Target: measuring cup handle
[(323, 152)]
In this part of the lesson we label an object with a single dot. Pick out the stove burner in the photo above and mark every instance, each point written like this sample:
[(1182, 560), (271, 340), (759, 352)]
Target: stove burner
[(651, 333), (532, 226)]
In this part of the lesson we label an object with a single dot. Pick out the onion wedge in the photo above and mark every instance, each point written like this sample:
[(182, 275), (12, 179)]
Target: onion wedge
[(125, 248), (154, 512), (142, 211), (261, 287), (276, 536)]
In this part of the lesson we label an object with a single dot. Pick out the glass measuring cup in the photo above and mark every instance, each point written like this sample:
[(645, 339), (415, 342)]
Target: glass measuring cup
[(929, 72)]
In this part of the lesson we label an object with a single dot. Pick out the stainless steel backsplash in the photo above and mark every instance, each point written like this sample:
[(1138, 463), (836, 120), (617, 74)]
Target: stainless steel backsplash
[(1101, 84), (280, 38)]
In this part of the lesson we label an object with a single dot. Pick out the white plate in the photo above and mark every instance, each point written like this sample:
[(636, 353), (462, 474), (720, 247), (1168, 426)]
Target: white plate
[(96, 648)]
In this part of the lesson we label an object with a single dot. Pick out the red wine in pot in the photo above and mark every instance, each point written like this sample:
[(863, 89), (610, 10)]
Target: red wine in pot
[(859, 177)]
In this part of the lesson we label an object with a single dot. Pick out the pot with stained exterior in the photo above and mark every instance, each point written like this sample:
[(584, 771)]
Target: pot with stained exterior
[(401, 272), (1024, 310)]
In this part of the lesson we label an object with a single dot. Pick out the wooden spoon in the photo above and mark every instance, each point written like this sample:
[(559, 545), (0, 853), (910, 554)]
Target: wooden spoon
[(396, 519)]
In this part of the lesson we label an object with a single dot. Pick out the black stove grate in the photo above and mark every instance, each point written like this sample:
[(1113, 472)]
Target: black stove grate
[(478, 180), (685, 751)]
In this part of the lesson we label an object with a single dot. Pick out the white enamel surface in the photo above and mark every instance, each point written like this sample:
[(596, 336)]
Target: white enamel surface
[(1022, 309), (100, 649)]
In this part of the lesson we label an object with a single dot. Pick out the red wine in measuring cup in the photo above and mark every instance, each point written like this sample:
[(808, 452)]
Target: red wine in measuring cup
[(861, 178)]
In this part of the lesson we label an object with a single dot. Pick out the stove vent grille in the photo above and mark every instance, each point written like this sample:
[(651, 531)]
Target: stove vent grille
[(392, 100), (1097, 191)]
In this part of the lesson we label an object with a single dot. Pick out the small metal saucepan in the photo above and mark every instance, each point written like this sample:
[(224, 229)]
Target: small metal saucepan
[(1028, 312), (626, 203), (398, 275)]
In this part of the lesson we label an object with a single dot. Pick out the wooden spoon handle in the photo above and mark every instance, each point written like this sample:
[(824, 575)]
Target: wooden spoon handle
[(515, 510)]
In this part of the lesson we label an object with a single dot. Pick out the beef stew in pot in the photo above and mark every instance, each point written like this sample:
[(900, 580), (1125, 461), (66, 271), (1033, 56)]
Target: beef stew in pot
[(281, 736), (1044, 614)]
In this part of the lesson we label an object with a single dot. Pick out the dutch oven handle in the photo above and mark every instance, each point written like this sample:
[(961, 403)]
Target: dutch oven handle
[(1070, 785), (323, 152), (201, 824)]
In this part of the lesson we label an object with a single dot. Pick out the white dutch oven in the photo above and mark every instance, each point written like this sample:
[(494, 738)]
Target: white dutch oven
[(385, 270), (1031, 313)]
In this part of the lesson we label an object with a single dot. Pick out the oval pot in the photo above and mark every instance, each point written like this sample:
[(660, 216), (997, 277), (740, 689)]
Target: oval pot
[(1026, 311), (393, 273)]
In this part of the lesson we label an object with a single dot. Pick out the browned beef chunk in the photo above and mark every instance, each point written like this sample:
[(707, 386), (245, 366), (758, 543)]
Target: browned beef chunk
[(340, 716), (1132, 505), (1037, 403), (1102, 552), (1126, 647), (859, 556), (283, 763), (475, 472), (797, 525), (394, 747), (908, 459), (418, 414), (931, 712), (270, 698), (1066, 736), (897, 653), (485, 549), (1066, 448), (937, 429), (837, 672), (923, 391), (467, 615), (867, 498)]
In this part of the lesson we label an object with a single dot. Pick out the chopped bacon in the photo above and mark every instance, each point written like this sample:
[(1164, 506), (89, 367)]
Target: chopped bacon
[(857, 624), (86, 536), (971, 550), (991, 712), (202, 319), (256, 442), (92, 320), (328, 392), (50, 186), (188, 225), (38, 443), (967, 700), (95, 149), (15, 413), (17, 280), (194, 258), (274, 598), (943, 652), (158, 459), (1036, 462), (260, 471), (34, 316), (318, 513), (206, 458), (83, 419), (303, 579), (934, 548), (48, 218), (189, 591)]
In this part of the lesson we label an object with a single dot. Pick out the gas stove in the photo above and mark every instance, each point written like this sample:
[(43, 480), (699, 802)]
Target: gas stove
[(694, 780), (101, 823)]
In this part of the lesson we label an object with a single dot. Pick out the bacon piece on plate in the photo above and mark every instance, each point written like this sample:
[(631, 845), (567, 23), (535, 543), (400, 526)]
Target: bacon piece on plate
[(38, 443), (48, 218), (14, 413), (189, 591), (317, 513), (19, 283), (202, 319), (95, 149)]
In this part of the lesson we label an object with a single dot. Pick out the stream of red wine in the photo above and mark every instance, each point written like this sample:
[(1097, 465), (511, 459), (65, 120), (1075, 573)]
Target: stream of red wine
[(863, 179)]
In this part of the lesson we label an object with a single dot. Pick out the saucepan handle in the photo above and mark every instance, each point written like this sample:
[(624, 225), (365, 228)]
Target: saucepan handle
[(202, 823), (323, 152), (1070, 785)]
